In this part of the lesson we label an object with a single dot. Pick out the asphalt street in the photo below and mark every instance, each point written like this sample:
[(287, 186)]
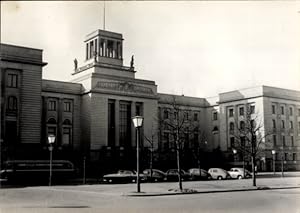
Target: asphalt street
[(114, 198)]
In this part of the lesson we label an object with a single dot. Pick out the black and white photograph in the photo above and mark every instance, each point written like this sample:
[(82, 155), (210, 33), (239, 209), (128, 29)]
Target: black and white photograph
[(150, 106)]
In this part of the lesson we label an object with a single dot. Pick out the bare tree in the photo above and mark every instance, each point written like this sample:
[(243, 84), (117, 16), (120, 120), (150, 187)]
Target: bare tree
[(178, 122), (198, 146), (151, 141), (250, 137)]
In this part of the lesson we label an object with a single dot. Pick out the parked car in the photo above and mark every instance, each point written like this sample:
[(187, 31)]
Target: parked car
[(195, 174), (218, 173), (157, 175), (122, 176), (172, 175), (239, 173)]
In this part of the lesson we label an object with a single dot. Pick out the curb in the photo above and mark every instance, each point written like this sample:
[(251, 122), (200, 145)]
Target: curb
[(144, 194)]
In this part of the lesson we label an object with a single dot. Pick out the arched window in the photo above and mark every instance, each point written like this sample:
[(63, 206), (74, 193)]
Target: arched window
[(67, 133), (51, 121), (12, 103)]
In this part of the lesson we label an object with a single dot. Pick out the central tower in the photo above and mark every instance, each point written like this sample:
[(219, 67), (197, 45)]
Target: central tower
[(104, 47)]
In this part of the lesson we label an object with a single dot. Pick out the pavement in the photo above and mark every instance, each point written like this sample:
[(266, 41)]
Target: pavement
[(216, 186)]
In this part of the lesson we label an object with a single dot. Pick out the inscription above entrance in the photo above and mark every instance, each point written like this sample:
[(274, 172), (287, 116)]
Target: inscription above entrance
[(125, 87)]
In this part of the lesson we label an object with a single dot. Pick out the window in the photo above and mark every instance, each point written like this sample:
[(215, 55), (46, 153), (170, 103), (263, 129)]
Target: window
[(186, 115), (274, 124), (243, 141), (252, 109), (241, 111), (283, 140), (286, 156), (230, 112), (12, 80), (299, 125), (277, 157), (282, 124), (242, 125), (139, 109), (166, 140), (187, 140), (12, 103), (274, 140), (52, 130), (175, 115), (196, 117), (291, 125), (232, 141), (111, 123), (294, 156), (196, 136), (125, 123), (67, 106), (215, 116), (252, 124), (298, 112), (291, 111), (292, 140), (231, 127), (166, 114), (282, 110), (52, 105), (66, 140), (273, 109)]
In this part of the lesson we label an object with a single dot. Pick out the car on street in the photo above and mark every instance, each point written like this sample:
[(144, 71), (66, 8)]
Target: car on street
[(238, 173), (157, 175), (172, 175), (218, 173), (122, 176), (195, 174)]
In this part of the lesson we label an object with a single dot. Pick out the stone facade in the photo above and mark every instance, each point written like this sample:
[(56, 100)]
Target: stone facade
[(91, 115)]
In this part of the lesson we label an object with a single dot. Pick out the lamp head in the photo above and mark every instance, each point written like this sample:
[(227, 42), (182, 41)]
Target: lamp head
[(51, 139), (137, 121)]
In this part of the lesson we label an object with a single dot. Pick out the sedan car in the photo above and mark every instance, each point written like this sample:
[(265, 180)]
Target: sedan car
[(156, 176), (195, 174), (218, 173), (239, 173), (122, 176), (172, 175)]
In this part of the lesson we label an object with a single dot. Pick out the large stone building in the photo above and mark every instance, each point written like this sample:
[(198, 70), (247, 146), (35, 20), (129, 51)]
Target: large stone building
[(91, 115)]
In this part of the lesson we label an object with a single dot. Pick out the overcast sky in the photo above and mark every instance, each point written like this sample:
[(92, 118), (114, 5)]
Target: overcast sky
[(196, 48)]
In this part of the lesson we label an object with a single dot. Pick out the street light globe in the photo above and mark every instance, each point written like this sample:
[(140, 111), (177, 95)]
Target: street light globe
[(273, 152), (137, 121), (51, 139), (234, 151)]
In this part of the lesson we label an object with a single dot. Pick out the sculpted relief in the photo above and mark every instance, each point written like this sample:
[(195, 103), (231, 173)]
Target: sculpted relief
[(124, 87)]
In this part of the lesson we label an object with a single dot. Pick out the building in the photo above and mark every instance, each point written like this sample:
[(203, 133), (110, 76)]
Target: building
[(91, 115)]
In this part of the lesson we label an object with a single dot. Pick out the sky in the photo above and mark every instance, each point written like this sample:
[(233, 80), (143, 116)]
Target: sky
[(196, 48)]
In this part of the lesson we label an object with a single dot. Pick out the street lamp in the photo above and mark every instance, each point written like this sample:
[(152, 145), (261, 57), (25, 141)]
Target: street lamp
[(51, 140), (137, 122), (273, 153)]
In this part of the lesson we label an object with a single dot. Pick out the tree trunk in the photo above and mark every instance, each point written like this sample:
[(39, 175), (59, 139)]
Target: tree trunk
[(178, 163), (253, 170), (151, 162)]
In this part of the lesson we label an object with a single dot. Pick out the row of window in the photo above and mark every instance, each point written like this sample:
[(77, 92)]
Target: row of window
[(67, 105), (168, 144), (285, 156), (282, 110), (291, 124), (66, 139), (167, 114), (283, 140), (241, 111)]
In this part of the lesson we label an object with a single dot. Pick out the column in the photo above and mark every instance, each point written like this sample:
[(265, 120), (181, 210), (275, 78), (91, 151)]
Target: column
[(117, 122)]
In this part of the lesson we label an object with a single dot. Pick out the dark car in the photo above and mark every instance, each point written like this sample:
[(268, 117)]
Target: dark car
[(195, 174), (122, 176), (172, 175), (157, 175)]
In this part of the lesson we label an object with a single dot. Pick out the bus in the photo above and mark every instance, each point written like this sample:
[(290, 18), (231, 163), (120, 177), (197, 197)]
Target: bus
[(21, 170)]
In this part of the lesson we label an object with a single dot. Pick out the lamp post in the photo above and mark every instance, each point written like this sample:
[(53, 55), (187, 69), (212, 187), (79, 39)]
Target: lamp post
[(137, 122), (273, 154), (51, 140)]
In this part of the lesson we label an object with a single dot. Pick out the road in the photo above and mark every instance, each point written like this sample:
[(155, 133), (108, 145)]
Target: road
[(108, 198)]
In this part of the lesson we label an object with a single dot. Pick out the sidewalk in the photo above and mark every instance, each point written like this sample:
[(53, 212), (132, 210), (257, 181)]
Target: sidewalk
[(217, 187)]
